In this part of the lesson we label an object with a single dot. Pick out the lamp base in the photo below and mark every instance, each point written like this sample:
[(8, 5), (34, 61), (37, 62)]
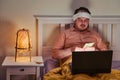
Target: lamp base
[(23, 59)]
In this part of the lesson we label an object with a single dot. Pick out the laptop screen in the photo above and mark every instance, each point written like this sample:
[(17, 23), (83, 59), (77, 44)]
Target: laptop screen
[(91, 62)]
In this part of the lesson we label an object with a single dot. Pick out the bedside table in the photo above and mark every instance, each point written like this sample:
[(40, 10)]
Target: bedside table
[(23, 68)]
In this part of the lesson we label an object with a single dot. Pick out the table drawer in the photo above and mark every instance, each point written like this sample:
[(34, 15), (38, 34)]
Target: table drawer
[(21, 70)]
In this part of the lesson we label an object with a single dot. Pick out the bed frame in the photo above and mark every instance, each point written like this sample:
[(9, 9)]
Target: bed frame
[(108, 27)]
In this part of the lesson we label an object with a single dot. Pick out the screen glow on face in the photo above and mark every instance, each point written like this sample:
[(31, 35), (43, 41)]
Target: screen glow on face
[(82, 23)]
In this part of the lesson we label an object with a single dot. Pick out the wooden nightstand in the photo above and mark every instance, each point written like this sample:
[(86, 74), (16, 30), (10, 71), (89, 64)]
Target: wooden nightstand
[(23, 68)]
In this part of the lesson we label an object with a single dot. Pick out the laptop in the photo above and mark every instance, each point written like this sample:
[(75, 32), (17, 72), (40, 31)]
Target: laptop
[(92, 62)]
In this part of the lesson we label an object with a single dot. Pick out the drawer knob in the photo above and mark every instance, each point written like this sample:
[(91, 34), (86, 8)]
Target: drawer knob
[(21, 69)]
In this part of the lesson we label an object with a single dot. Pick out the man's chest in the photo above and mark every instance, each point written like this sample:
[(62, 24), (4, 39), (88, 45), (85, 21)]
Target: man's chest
[(79, 39)]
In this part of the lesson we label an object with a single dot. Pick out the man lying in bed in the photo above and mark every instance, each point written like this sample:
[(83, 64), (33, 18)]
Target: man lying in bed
[(75, 38)]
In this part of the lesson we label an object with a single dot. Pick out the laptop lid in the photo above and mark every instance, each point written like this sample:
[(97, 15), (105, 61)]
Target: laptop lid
[(91, 62)]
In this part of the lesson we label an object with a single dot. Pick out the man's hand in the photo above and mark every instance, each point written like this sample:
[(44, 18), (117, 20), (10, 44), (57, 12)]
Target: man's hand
[(85, 49)]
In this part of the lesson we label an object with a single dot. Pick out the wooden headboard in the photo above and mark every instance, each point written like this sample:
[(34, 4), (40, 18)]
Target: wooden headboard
[(50, 26)]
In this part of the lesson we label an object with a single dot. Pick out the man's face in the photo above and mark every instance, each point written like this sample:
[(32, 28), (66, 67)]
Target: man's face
[(81, 23)]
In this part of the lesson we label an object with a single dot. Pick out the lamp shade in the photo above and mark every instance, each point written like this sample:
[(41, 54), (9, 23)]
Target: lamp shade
[(23, 40)]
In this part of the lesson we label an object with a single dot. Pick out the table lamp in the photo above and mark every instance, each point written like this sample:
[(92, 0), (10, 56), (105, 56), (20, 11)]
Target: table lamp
[(23, 46)]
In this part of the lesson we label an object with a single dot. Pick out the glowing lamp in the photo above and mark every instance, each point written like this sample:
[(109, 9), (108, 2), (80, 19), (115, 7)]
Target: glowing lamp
[(23, 46)]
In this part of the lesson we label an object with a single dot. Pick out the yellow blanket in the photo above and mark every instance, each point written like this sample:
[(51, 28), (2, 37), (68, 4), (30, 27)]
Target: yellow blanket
[(63, 73)]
